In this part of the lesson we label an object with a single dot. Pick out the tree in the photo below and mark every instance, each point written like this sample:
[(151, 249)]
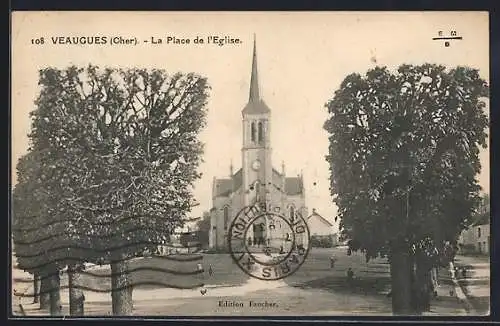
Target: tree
[(403, 159), (124, 143), (34, 234)]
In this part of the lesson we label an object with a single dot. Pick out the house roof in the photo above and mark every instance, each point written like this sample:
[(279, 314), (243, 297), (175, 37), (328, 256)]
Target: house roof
[(482, 219), (321, 218)]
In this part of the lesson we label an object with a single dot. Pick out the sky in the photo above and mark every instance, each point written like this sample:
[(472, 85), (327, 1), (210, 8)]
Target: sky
[(302, 59)]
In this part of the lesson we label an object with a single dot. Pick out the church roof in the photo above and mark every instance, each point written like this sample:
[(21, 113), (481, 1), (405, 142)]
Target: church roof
[(293, 186), (277, 179), (256, 107), (238, 179), (224, 186), (255, 104)]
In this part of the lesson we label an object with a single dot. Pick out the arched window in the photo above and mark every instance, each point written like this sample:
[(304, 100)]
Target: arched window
[(226, 217), (261, 132), (292, 212), (253, 131)]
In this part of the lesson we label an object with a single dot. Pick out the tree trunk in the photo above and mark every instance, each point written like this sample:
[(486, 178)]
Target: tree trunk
[(423, 285), (76, 296), (36, 291), (121, 290), (401, 282), (44, 292), (55, 294)]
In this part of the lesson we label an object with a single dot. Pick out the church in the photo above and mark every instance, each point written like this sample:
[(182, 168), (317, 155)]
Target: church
[(257, 181)]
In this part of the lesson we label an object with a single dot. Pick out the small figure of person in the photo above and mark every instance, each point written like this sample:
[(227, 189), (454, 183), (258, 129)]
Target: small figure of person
[(210, 270), (350, 276), (332, 261), (250, 241), (199, 267), (464, 272)]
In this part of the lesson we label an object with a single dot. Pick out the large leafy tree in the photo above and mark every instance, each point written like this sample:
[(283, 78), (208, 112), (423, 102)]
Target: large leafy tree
[(30, 233), (124, 145), (38, 235), (403, 158)]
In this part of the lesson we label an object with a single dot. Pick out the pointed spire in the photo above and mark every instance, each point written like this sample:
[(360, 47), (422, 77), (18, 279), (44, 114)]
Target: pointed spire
[(255, 104), (254, 80)]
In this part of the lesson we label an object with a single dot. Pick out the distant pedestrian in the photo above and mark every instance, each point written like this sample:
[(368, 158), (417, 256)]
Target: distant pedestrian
[(464, 272), (350, 276), (210, 270), (199, 267), (333, 259)]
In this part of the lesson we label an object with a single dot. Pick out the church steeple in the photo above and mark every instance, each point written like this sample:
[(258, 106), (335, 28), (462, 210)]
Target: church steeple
[(255, 103), (254, 79)]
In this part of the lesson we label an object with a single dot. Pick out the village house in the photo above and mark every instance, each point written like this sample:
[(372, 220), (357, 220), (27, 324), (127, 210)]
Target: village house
[(321, 230), (476, 239)]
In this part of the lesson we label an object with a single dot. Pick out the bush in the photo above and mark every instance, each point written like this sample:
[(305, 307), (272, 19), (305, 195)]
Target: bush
[(468, 249), (318, 241)]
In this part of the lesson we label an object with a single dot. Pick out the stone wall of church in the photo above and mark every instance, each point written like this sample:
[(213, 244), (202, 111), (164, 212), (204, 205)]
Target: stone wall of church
[(217, 217), (298, 203), (234, 205), (237, 202)]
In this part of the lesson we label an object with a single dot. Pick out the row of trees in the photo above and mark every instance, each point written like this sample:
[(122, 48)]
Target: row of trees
[(403, 156), (108, 175)]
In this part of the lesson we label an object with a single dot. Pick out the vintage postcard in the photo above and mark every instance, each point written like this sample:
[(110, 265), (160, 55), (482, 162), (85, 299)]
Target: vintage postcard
[(250, 164)]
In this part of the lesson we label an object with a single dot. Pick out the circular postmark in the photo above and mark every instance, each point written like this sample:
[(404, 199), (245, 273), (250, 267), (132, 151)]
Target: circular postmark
[(267, 245)]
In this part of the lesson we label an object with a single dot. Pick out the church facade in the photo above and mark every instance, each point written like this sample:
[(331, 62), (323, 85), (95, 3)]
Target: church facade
[(257, 181)]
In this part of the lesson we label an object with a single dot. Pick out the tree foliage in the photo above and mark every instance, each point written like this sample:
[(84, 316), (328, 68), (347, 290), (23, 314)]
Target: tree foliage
[(124, 143), (404, 154)]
